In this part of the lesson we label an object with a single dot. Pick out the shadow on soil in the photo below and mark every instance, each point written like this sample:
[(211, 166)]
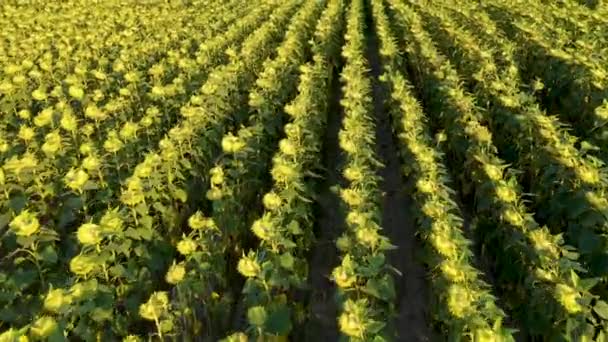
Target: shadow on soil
[(330, 222), (399, 226)]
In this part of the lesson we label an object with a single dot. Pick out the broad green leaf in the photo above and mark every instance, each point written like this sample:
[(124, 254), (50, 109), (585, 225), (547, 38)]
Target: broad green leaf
[(278, 321), (383, 289), (375, 327), (601, 308), (48, 254), (236, 337), (287, 261), (166, 325), (294, 228), (257, 316), (180, 195), (588, 284)]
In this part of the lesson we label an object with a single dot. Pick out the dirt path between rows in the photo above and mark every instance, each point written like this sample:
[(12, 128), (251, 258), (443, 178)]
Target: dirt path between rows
[(322, 324), (412, 322)]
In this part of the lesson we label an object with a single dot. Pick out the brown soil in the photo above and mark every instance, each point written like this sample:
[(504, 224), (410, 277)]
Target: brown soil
[(412, 322), (322, 324)]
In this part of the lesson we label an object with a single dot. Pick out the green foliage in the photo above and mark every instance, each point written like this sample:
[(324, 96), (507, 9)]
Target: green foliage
[(160, 167)]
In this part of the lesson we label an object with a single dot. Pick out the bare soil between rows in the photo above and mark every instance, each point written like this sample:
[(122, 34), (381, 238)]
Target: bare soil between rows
[(412, 321)]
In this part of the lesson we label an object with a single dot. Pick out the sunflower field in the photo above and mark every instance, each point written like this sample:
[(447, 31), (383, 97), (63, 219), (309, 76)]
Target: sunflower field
[(304, 170)]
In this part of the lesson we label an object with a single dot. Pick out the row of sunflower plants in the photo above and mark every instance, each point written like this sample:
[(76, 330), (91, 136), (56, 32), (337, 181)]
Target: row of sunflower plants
[(81, 199), (365, 287), (546, 52), (125, 143), (106, 138), (164, 88), (199, 271), (187, 70), (239, 175), (78, 73), (87, 82), (30, 30), (583, 26), (574, 23), (79, 156), (535, 270), (595, 5), (581, 11), (77, 79), (278, 266), (569, 188), (69, 144), (574, 84), (136, 253), (462, 305), (31, 202)]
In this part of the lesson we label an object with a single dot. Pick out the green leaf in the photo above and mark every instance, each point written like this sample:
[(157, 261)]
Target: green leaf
[(26, 241), (236, 337), (294, 228), (574, 277), (288, 244), (100, 315), (383, 288), (279, 322), (159, 207), (386, 245), (375, 327), (24, 278), (287, 261), (257, 316), (73, 203), (142, 209), (376, 261), (118, 271), (588, 284), (4, 220), (132, 234), (181, 195), (147, 222), (66, 217), (166, 325), (17, 203), (124, 248), (601, 309), (48, 255), (90, 185), (587, 241), (57, 336), (186, 163), (587, 146)]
